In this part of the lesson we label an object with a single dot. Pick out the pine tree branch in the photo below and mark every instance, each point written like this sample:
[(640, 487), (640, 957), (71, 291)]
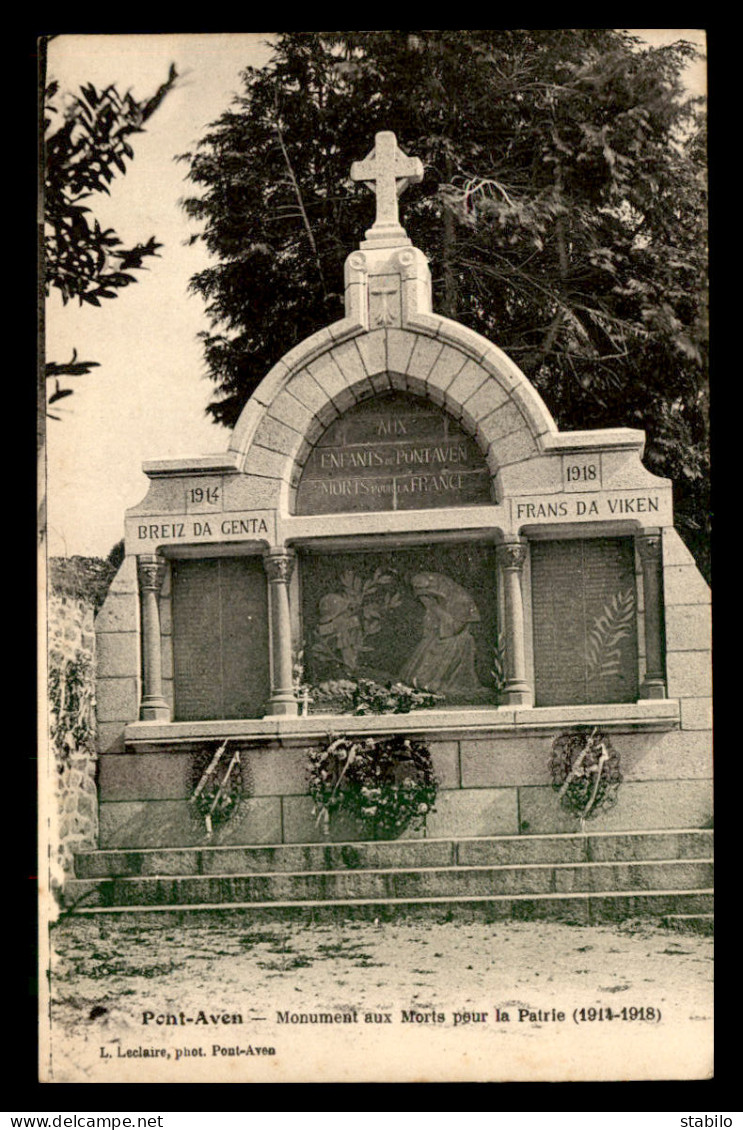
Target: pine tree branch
[(300, 200)]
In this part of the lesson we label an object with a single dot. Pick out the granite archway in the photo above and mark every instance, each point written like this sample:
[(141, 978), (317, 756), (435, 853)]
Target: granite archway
[(432, 357)]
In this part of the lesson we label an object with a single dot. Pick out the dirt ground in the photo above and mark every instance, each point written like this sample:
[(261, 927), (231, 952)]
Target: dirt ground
[(404, 1001)]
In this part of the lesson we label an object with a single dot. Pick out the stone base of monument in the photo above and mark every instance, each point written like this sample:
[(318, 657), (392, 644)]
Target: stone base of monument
[(591, 877)]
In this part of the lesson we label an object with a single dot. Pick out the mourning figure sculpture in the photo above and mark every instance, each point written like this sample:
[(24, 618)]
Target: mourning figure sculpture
[(444, 660)]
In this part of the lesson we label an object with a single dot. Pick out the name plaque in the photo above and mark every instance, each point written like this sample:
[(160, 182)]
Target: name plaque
[(649, 507), (395, 452), (144, 533)]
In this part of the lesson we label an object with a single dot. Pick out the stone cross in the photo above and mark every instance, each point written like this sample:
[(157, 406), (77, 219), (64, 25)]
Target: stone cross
[(387, 171)]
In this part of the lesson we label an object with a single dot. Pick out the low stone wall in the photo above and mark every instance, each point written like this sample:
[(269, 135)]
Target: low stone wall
[(490, 784), (77, 588)]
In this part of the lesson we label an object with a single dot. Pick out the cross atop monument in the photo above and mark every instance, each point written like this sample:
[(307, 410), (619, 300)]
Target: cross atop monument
[(387, 171)]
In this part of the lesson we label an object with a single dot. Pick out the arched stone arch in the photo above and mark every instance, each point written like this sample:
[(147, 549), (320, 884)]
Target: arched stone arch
[(435, 358)]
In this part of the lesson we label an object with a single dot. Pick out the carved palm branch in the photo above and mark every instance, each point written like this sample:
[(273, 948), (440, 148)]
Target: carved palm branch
[(498, 670), (605, 638)]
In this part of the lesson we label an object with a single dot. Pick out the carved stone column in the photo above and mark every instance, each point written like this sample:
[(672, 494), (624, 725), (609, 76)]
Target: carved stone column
[(151, 570), (650, 548), (279, 567), (512, 556)]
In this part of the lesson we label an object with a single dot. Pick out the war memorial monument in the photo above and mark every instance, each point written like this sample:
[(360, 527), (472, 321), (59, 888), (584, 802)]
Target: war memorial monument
[(396, 508)]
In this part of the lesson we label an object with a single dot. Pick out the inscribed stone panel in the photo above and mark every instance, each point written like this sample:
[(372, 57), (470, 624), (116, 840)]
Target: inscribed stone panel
[(423, 616), (584, 612), (395, 452), (220, 638)]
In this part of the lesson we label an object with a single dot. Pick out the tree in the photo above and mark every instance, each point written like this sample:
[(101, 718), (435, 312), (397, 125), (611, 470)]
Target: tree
[(83, 144), (563, 213), (86, 143)]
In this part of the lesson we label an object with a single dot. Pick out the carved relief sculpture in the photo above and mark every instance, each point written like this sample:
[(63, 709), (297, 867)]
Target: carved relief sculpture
[(339, 625), (346, 619), (444, 660)]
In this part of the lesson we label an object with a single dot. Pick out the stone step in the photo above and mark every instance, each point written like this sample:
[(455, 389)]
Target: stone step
[(381, 855), (690, 923), (582, 909), (398, 884)]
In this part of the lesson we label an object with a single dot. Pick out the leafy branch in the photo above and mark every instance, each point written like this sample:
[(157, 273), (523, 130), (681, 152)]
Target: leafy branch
[(499, 671), (86, 143), (604, 641)]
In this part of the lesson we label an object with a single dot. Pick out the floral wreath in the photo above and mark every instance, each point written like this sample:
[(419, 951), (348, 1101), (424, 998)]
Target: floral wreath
[(585, 772), (386, 784)]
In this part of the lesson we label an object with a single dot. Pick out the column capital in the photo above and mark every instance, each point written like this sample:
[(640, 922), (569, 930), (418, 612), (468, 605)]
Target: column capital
[(512, 554), (279, 566), (150, 572), (650, 547)]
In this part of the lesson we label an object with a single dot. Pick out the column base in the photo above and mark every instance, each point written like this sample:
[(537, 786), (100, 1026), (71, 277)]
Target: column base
[(653, 688), (516, 694), (284, 704), (154, 709)]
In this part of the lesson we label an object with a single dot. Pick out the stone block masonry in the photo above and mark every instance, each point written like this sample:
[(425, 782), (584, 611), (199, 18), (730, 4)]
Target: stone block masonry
[(490, 784), (74, 807), (687, 604), (92, 623)]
